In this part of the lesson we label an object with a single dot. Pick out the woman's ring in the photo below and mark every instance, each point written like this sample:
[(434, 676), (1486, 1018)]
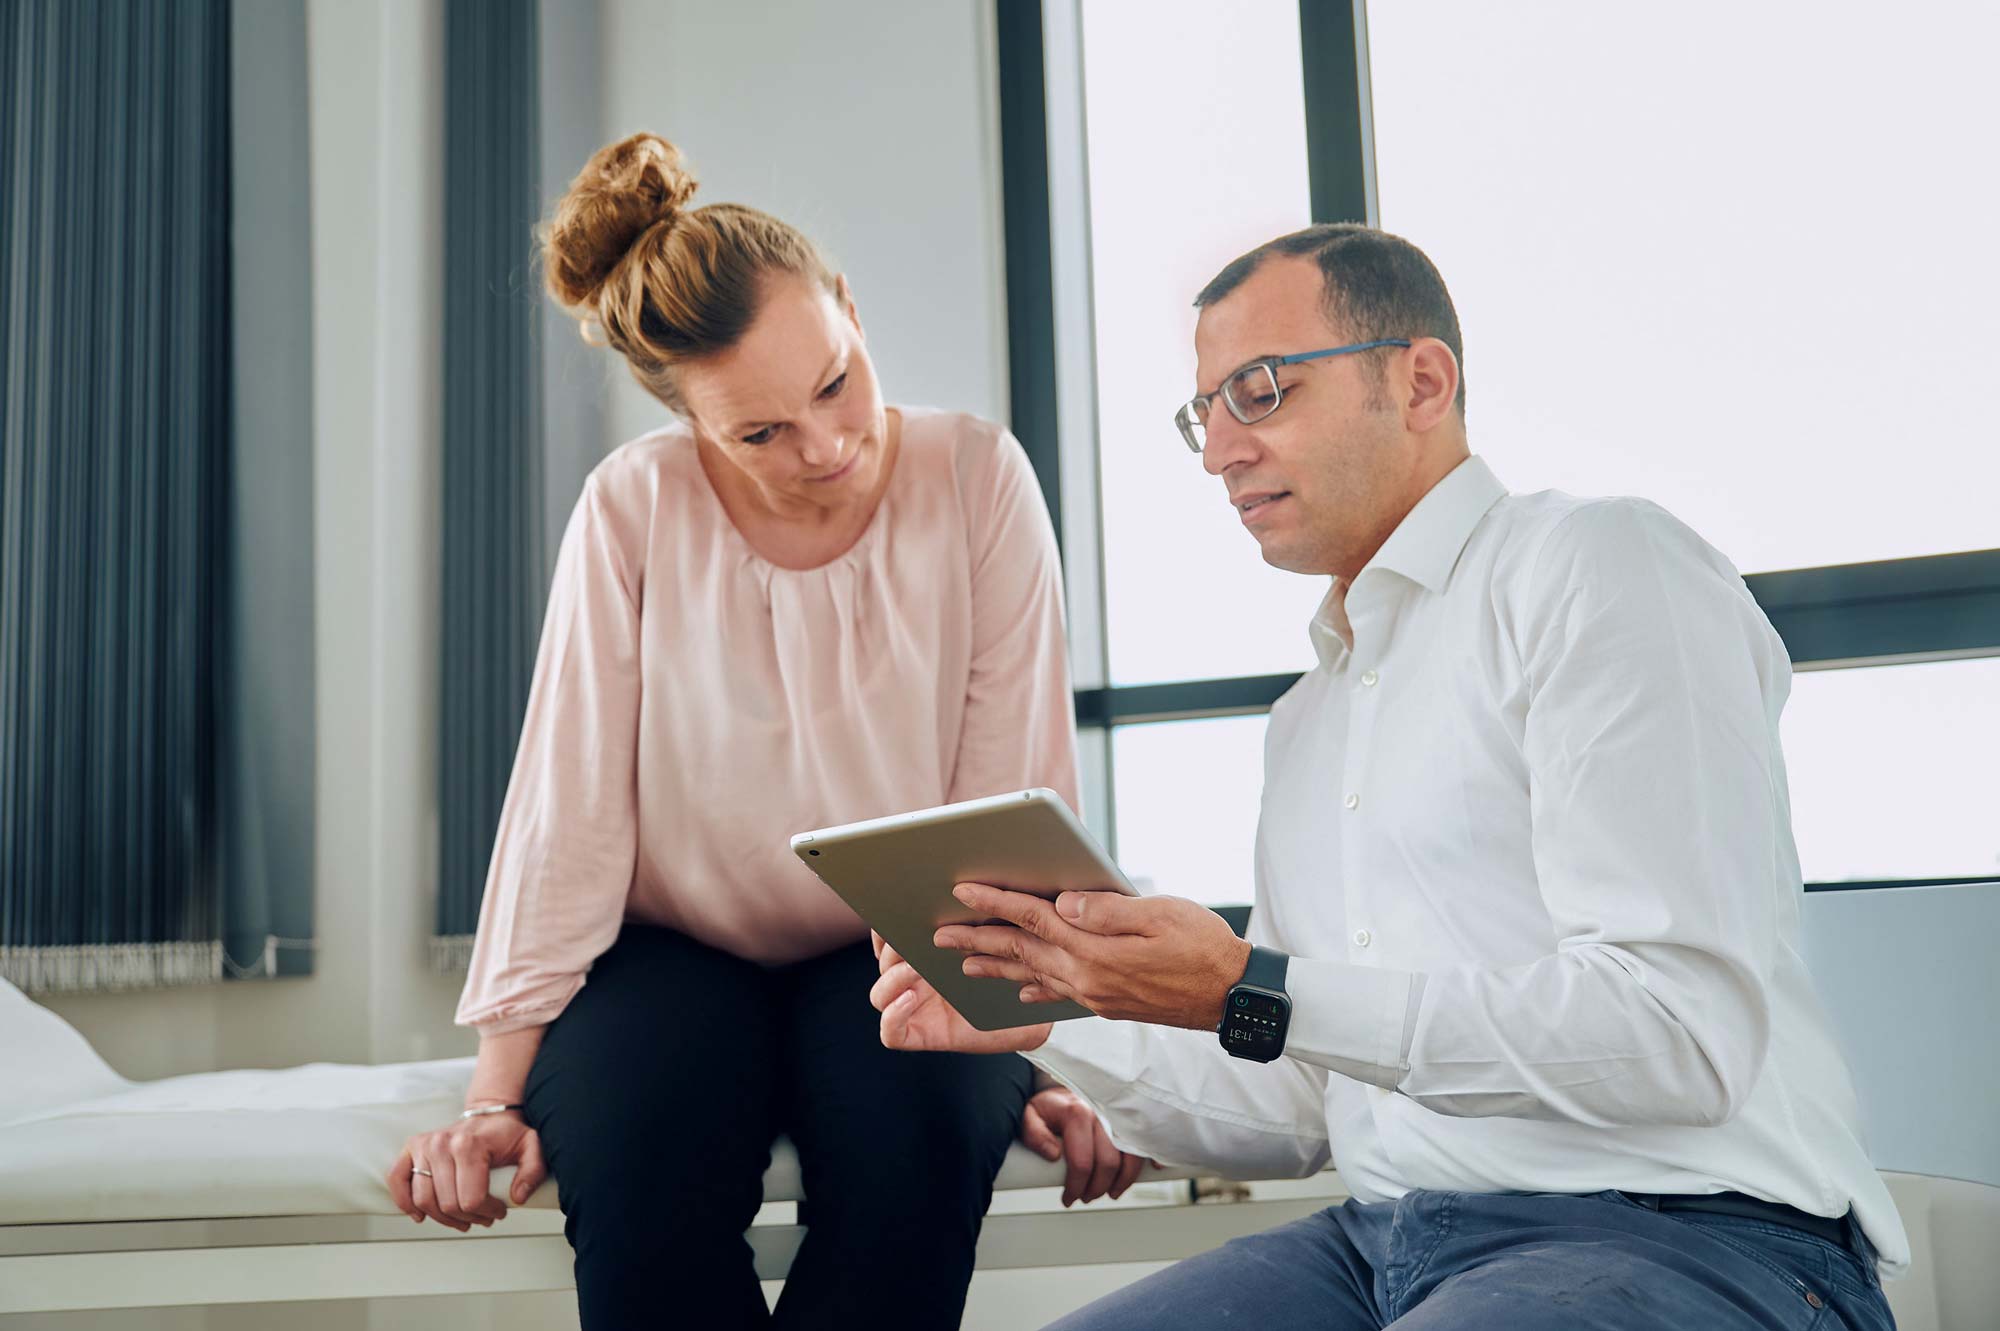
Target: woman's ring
[(419, 1169)]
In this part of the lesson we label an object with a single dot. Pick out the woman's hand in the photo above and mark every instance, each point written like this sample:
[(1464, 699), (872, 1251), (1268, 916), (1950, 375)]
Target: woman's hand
[(460, 1158), (1057, 1124), (915, 1017)]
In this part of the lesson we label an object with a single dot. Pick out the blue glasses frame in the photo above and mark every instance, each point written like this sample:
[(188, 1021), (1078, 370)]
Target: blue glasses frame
[(1259, 380)]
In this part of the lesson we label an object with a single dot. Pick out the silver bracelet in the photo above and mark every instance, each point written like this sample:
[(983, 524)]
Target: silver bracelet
[(484, 1110)]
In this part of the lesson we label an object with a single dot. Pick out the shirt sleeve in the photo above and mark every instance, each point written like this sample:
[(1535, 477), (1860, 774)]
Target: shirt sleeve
[(1661, 846), (568, 836), (1175, 1096), (1020, 722)]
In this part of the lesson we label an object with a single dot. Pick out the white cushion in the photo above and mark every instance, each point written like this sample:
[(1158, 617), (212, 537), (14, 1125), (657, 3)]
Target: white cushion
[(47, 1061), (80, 1143), (302, 1141)]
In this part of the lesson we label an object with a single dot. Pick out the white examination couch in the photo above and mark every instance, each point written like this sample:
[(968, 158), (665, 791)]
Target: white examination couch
[(266, 1186), (255, 1186)]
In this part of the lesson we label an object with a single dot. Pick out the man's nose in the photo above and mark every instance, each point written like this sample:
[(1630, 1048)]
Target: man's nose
[(1225, 440)]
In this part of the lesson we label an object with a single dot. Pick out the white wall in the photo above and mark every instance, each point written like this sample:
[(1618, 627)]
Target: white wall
[(872, 128)]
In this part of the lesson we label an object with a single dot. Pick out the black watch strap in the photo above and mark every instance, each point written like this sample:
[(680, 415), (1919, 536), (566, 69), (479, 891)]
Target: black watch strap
[(1266, 969)]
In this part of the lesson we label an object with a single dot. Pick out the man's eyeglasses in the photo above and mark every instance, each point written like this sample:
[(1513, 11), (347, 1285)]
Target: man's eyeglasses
[(1252, 393)]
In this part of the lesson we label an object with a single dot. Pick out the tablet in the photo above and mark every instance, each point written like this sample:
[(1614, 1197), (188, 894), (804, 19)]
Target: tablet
[(897, 873)]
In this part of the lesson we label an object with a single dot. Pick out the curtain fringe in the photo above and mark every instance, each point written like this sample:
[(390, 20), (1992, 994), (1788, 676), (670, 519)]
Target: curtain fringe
[(451, 954), (110, 966)]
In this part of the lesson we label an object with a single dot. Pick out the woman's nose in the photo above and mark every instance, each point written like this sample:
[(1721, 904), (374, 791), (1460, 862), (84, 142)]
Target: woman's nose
[(819, 448)]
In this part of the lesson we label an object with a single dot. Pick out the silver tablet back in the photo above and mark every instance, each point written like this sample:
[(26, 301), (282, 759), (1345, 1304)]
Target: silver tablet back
[(897, 873)]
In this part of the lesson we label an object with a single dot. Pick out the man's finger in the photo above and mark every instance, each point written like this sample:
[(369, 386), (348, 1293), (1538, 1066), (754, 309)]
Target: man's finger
[(1080, 1147), (1022, 909), (1128, 1174), (1036, 1134), (1006, 943), (1111, 913), (995, 968), (875, 941), (1106, 1158)]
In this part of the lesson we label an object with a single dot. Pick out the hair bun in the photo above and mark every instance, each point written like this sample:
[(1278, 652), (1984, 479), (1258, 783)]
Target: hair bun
[(622, 192)]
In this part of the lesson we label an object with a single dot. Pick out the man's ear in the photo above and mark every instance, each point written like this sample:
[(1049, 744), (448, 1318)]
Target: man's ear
[(1433, 384)]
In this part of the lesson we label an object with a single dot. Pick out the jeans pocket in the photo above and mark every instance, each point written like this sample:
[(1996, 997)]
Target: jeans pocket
[(1800, 1260)]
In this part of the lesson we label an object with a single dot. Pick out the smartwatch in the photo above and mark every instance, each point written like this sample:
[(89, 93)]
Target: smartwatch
[(1257, 1011)]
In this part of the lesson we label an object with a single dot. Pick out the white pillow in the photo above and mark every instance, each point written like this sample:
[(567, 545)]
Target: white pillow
[(45, 1061)]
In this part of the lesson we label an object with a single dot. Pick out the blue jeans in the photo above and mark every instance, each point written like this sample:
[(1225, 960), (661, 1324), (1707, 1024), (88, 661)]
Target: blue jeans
[(1474, 1262)]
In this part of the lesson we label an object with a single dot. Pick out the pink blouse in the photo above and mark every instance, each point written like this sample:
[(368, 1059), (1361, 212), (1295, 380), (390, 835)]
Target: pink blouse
[(694, 705)]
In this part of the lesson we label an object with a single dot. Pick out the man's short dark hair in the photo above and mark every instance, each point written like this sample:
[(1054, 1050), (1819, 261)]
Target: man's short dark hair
[(1374, 285)]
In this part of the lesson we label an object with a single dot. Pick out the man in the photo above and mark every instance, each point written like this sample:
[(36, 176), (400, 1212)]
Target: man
[(1526, 840)]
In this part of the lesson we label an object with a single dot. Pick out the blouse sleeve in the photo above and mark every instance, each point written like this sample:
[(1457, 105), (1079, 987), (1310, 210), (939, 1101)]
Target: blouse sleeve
[(567, 842), (1020, 723)]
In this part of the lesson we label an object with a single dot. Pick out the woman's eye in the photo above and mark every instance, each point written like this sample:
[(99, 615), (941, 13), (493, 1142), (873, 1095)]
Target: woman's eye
[(833, 389), (763, 436)]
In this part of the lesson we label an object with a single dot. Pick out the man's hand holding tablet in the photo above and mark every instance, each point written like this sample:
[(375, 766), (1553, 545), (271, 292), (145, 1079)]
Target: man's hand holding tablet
[(899, 873)]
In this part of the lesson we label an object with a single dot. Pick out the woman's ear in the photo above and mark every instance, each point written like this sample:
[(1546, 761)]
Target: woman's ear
[(846, 299)]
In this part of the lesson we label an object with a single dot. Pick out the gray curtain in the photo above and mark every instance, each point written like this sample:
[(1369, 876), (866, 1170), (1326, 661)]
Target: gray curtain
[(495, 570), (114, 489)]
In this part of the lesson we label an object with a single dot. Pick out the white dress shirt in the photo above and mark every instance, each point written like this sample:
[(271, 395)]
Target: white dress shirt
[(1526, 836)]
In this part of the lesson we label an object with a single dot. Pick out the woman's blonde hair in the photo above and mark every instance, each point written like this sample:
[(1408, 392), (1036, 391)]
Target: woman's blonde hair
[(663, 284)]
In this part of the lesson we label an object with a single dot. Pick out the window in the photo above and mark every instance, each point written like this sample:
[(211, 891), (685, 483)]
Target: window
[(1176, 191), (1187, 795), (1692, 264), (1893, 771), (1729, 257)]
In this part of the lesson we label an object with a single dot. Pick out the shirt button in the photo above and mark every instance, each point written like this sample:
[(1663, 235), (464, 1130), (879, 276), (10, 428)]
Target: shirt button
[(1368, 677), (1362, 938), (1353, 801)]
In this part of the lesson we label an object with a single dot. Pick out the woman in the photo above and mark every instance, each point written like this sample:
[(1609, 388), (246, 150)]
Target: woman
[(793, 608)]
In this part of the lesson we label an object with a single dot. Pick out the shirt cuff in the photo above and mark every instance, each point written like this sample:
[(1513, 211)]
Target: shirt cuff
[(1074, 1051), (1358, 1021), (1092, 1056)]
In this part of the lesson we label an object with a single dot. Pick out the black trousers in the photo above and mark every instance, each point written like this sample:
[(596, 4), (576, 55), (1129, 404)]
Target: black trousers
[(658, 1092)]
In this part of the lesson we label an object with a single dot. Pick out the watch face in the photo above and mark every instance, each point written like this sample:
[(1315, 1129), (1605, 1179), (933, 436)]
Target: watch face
[(1253, 1024)]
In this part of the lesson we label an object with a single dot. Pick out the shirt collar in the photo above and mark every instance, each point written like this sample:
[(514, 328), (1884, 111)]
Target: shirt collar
[(1424, 547), (1428, 541)]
